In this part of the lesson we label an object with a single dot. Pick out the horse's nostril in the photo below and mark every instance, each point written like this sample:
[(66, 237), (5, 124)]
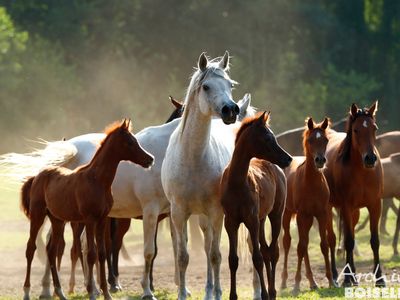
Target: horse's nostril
[(225, 110), (236, 109), (324, 160)]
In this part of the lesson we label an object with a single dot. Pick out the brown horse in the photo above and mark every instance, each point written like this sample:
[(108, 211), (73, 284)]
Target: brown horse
[(354, 175), (308, 197), (253, 188), (82, 195)]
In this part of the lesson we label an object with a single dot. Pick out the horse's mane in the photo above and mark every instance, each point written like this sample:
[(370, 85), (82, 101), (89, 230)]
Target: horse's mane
[(246, 123), (109, 130), (196, 81), (345, 147)]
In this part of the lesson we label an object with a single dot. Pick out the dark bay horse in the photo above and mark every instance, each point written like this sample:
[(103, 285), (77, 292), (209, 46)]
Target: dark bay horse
[(354, 175), (308, 197), (252, 189), (82, 195)]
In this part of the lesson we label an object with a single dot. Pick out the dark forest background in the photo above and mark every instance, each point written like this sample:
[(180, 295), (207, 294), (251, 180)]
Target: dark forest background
[(69, 67)]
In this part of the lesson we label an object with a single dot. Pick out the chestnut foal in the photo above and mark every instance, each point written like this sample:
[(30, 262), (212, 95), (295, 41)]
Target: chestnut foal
[(253, 188), (82, 195), (308, 197)]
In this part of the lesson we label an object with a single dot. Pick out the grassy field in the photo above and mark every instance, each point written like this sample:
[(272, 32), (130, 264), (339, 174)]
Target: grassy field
[(14, 233)]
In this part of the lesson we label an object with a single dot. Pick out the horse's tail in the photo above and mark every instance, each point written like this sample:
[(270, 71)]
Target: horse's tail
[(25, 196), (18, 167)]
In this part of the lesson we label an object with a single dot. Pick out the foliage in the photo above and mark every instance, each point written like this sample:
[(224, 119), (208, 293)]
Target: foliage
[(81, 64)]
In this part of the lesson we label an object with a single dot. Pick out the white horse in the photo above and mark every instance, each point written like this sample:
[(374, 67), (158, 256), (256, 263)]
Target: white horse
[(136, 192), (198, 151)]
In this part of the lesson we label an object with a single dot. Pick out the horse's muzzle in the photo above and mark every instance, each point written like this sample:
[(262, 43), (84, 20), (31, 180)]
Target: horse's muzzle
[(320, 161), (229, 113), (370, 160)]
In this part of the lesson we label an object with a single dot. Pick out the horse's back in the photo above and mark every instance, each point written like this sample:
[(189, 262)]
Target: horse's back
[(388, 143), (391, 171)]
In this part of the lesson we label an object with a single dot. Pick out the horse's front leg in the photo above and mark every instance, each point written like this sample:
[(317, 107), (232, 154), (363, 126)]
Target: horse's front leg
[(90, 259), (374, 215), (149, 232), (179, 219), (46, 293), (231, 228), (349, 269), (332, 242), (216, 223)]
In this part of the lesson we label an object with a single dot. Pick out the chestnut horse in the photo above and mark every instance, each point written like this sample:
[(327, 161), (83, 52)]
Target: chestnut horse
[(252, 189), (354, 174), (82, 195), (308, 197)]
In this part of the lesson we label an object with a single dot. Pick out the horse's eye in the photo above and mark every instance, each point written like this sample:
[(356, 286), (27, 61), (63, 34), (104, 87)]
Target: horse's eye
[(355, 130), (232, 85), (206, 87)]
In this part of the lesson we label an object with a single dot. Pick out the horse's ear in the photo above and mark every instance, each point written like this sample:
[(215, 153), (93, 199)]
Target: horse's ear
[(128, 124), (175, 102), (310, 123), (354, 109), (261, 118), (325, 123), (203, 62), (266, 117), (123, 123), (224, 63), (374, 108)]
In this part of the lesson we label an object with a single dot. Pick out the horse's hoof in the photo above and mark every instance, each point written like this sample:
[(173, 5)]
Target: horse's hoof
[(380, 283), (296, 291), (107, 296), (314, 287), (26, 297), (283, 285), (115, 288), (149, 297), (333, 284), (44, 296), (347, 283)]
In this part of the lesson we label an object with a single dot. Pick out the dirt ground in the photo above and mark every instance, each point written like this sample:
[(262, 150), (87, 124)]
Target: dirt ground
[(14, 266)]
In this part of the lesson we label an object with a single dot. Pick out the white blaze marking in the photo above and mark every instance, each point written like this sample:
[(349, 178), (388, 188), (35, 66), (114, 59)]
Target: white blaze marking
[(365, 124), (318, 135)]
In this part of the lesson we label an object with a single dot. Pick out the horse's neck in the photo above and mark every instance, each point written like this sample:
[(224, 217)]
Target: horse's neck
[(239, 166), (104, 166), (196, 135)]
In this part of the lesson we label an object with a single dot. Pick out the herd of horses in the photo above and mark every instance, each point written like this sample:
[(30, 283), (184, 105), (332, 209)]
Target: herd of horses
[(217, 159)]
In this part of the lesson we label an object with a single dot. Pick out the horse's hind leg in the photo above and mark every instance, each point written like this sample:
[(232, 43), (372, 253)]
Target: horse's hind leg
[(396, 234), (215, 254), (122, 227), (332, 242), (101, 250), (232, 227), (46, 293), (37, 215), (57, 230), (207, 233), (76, 252), (375, 213), (304, 224), (253, 226), (387, 203), (286, 245), (149, 230), (322, 221), (276, 224)]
